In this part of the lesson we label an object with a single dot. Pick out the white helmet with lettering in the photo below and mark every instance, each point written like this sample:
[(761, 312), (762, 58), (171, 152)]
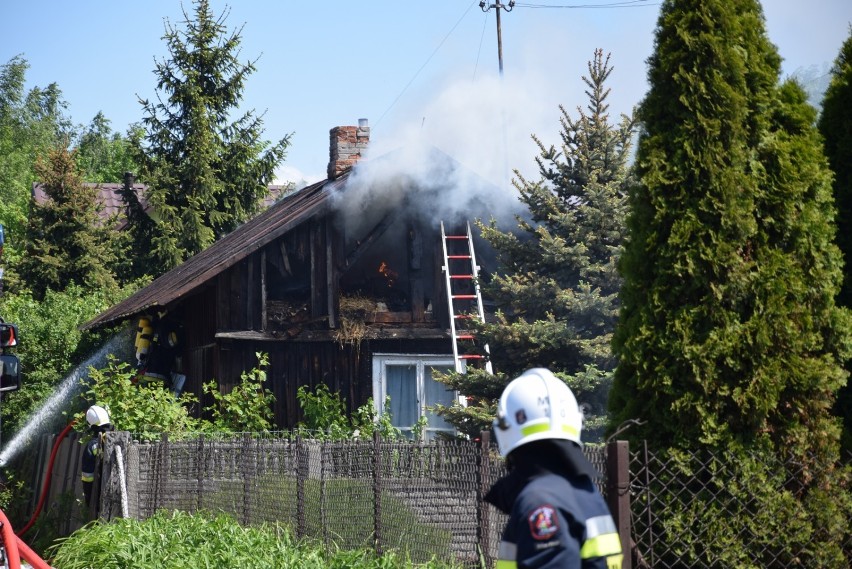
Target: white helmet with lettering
[(536, 406), (97, 416)]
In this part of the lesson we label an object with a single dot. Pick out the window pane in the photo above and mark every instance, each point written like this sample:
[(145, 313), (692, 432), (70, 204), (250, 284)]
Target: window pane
[(402, 390), (437, 392)]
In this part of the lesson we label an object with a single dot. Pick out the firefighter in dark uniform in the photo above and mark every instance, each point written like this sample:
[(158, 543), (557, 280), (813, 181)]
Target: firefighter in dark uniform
[(557, 517), (99, 423)]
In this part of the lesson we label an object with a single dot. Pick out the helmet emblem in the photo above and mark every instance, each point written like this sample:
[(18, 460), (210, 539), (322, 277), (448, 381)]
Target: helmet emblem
[(521, 416)]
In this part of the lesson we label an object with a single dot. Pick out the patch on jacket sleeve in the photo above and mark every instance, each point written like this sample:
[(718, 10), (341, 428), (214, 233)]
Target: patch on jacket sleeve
[(544, 523)]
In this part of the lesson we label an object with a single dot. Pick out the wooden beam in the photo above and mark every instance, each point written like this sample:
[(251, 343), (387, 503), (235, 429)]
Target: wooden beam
[(263, 290), (382, 333), (362, 245), (415, 273)]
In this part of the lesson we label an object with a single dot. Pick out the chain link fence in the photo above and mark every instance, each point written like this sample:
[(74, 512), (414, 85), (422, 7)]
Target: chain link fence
[(700, 509), (425, 499)]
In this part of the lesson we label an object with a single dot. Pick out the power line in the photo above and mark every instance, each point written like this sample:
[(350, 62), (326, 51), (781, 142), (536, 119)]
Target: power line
[(407, 85), (623, 4)]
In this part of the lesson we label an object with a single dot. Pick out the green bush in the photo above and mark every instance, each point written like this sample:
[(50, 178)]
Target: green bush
[(248, 406), (145, 410), (325, 417), (179, 540), (151, 409)]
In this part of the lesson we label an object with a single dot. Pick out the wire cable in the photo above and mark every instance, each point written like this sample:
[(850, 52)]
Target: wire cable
[(481, 39), (623, 4), (404, 89)]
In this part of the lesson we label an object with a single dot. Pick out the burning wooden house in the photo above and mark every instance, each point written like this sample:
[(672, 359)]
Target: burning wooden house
[(341, 283)]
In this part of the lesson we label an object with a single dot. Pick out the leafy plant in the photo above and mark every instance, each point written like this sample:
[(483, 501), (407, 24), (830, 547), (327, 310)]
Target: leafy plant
[(325, 417), (173, 540), (248, 406), (145, 410)]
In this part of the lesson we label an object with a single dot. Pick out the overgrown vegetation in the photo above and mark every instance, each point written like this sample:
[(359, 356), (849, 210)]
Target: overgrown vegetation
[(325, 417), (248, 406), (178, 540), (149, 410)]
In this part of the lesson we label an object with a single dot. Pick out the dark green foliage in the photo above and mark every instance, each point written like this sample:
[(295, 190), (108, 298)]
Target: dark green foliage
[(173, 540), (557, 290), (729, 337), (835, 124), (66, 242), (206, 173), (729, 329)]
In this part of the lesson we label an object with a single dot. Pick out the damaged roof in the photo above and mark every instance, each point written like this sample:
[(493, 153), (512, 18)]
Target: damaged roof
[(278, 219)]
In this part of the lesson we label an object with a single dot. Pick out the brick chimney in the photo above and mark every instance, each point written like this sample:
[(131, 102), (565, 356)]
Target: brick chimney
[(347, 145)]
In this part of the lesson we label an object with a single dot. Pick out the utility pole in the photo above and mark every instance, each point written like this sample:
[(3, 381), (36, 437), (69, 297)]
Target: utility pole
[(497, 6)]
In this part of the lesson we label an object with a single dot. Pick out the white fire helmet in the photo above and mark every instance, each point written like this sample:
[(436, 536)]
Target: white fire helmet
[(536, 406), (97, 416)]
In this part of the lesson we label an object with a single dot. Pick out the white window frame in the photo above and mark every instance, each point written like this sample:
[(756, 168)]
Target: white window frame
[(421, 361)]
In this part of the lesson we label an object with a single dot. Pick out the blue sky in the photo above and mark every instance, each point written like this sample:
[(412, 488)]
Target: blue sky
[(424, 70)]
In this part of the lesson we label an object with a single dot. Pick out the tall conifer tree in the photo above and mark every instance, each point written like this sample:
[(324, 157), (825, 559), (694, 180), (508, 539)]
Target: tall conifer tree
[(66, 241), (729, 338), (557, 288), (206, 172), (835, 124)]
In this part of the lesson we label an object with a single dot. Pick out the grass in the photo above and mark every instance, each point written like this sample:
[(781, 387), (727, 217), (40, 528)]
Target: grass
[(343, 517), (177, 540)]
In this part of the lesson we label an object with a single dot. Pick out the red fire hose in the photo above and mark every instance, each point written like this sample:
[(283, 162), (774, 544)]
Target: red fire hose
[(47, 477), (17, 549), (10, 542)]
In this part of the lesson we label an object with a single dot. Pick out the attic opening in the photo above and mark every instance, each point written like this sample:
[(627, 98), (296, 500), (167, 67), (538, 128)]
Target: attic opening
[(395, 269)]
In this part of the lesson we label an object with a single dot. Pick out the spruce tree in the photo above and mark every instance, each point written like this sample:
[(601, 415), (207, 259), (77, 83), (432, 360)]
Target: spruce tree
[(557, 288), (835, 124), (66, 241), (206, 173), (729, 339)]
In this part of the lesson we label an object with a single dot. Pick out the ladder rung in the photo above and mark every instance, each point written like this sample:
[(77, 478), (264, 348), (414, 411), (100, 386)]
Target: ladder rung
[(463, 316), (464, 296), (456, 236), (465, 336), (461, 276), (471, 357), (458, 256)]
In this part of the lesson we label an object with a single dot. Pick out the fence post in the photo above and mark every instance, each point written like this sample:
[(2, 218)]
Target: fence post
[(483, 527), (247, 474), (199, 473), (377, 490), (618, 494), (301, 474)]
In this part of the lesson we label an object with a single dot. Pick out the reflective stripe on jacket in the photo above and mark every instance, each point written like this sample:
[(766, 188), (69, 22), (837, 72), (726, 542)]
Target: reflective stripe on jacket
[(560, 522), (89, 459)]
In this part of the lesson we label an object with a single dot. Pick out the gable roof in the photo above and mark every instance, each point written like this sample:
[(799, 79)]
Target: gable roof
[(107, 196), (278, 219)]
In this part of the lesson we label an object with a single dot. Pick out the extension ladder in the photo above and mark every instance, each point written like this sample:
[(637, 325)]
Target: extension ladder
[(463, 296)]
